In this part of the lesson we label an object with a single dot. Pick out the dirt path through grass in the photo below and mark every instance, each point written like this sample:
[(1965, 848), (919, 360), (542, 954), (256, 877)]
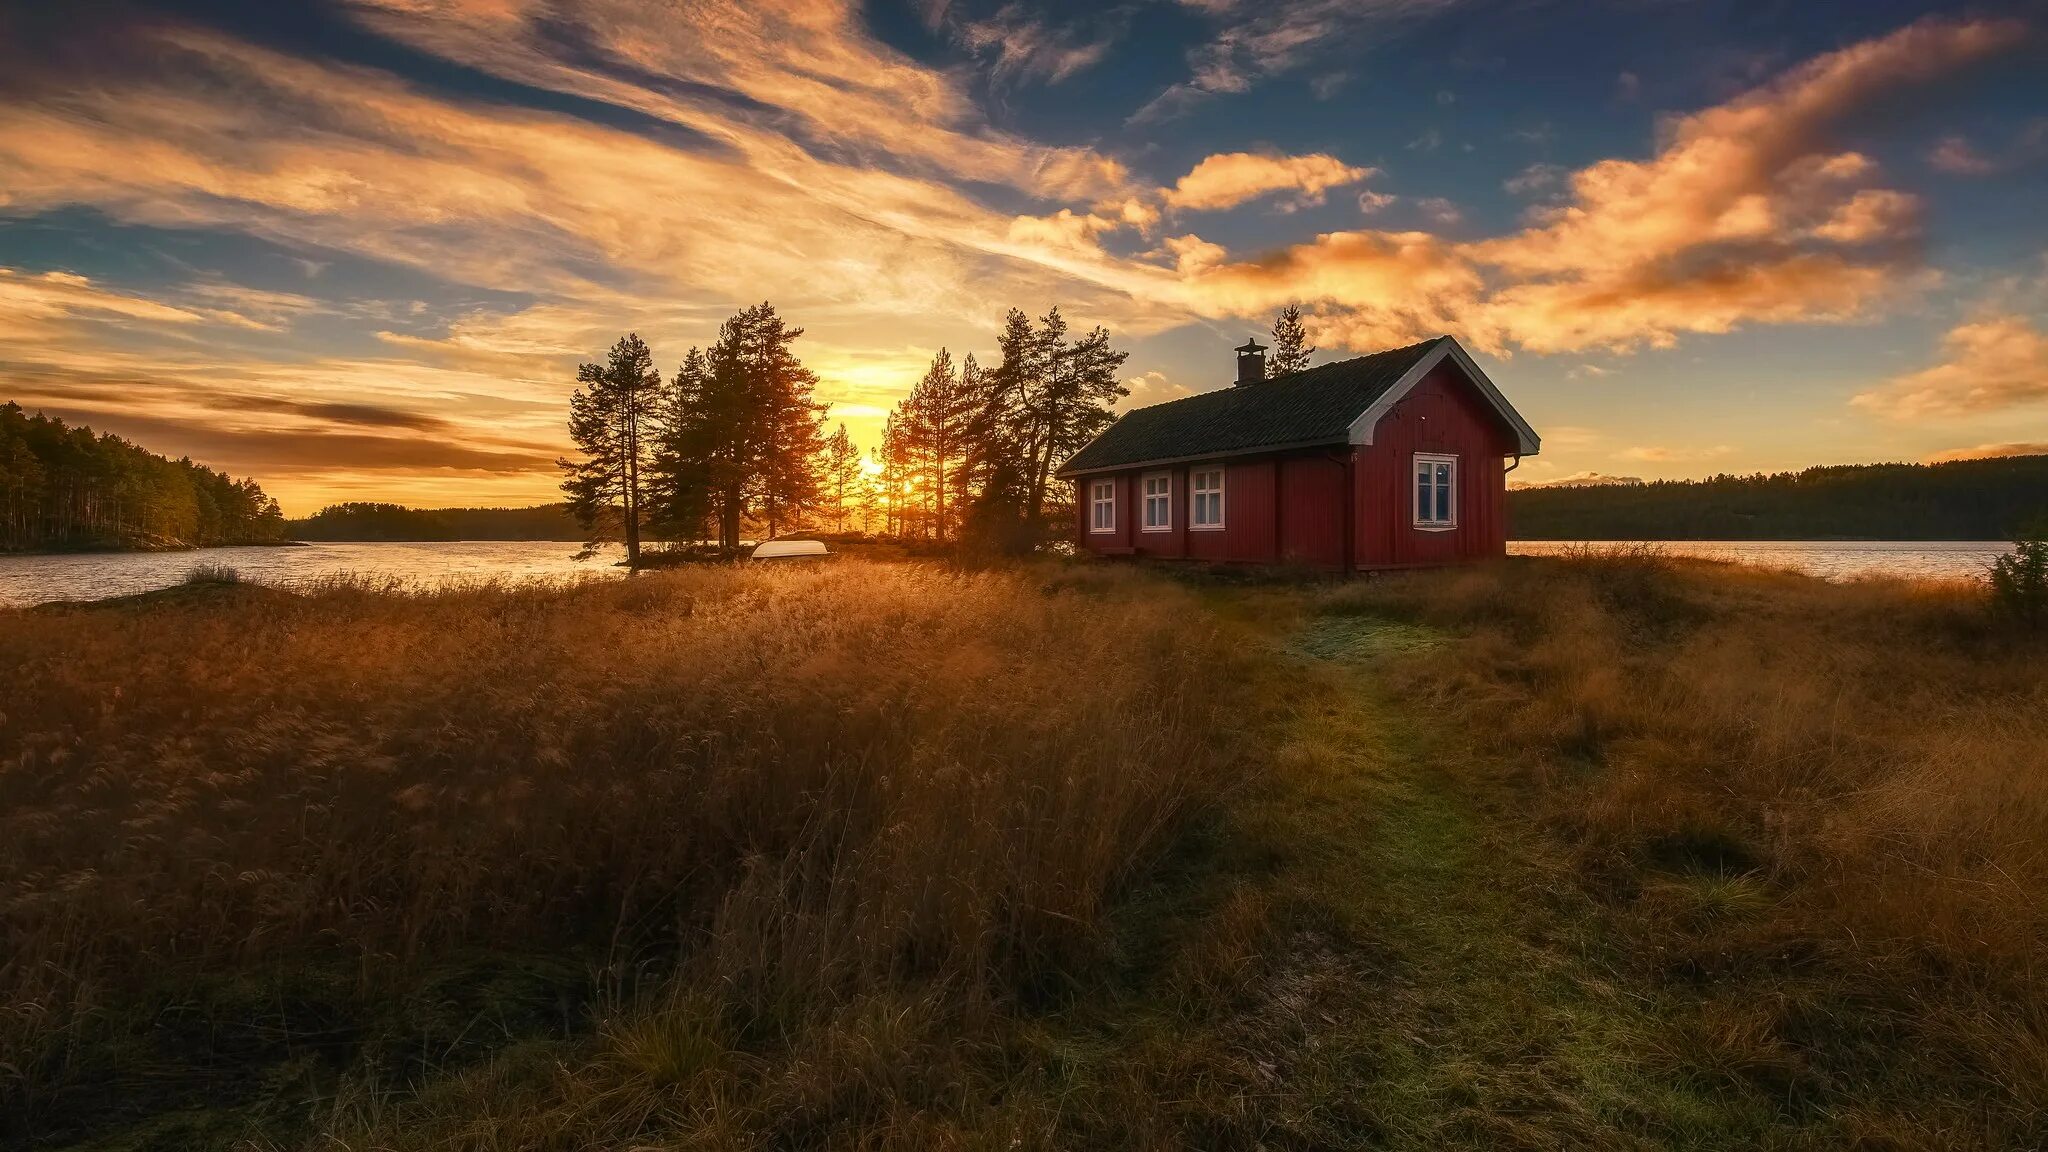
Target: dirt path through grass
[(1470, 1009)]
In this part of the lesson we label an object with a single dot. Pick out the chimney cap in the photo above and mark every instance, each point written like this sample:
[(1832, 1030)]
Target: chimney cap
[(1252, 345)]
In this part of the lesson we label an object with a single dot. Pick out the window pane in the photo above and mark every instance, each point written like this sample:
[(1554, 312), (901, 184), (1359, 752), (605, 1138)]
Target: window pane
[(1422, 495)]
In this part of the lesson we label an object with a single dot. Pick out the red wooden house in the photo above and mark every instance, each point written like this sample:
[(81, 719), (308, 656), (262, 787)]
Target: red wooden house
[(1393, 459)]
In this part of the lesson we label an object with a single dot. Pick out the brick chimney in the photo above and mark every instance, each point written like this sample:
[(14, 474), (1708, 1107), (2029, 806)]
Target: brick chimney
[(1251, 363)]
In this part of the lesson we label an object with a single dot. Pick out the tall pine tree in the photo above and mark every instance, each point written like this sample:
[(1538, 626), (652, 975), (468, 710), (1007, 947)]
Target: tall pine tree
[(679, 491), (937, 418), (742, 436), (1072, 405), (610, 418)]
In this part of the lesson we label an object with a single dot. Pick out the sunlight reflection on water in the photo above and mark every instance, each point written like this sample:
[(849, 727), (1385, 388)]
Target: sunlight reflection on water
[(1831, 559), (95, 575), (91, 576)]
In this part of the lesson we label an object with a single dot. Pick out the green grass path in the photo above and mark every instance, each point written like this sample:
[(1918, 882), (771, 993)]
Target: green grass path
[(1432, 988)]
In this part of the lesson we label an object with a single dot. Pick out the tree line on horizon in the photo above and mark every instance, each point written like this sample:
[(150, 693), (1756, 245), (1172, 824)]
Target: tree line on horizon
[(375, 520), (1994, 499), (63, 486), (735, 440)]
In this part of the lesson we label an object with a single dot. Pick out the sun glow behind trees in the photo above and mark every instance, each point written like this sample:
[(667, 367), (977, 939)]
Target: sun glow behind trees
[(735, 441)]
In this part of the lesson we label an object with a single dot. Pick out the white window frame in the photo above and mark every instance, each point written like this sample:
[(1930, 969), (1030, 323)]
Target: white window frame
[(1147, 496), (1195, 502), (1101, 495), (1415, 491)]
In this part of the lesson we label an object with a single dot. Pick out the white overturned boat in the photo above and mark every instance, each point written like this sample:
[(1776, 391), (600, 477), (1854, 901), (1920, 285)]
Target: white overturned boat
[(790, 550)]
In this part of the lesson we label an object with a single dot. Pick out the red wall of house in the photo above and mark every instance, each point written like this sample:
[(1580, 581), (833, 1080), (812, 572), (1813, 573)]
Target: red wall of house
[(1289, 508), (1443, 413), (1276, 509), (1312, 509)]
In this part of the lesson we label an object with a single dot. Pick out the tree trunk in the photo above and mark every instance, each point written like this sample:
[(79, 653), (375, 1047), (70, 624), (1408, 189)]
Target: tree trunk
[(633, 484), (939, 482)]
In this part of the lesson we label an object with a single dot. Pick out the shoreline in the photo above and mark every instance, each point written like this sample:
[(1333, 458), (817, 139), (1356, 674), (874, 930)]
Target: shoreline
[(146, 550)]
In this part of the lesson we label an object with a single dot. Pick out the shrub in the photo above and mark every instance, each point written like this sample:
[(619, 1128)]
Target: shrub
[(213, 574), (2019, 581)]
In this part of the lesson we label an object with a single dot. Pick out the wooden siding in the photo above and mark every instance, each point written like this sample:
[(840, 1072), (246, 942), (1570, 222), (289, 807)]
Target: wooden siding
[(1312, 509), (1443, 414)]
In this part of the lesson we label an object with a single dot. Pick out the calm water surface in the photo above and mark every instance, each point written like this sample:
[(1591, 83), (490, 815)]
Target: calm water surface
[(1832, 559), (92, 576), (95, 575)]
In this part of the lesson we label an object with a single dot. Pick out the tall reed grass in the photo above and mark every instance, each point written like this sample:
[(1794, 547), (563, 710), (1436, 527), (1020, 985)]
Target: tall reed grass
[(752, 812), (1817, 812)]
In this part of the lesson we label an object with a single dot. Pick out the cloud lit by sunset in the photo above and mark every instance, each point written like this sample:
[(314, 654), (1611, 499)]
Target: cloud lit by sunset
[(359, 249)]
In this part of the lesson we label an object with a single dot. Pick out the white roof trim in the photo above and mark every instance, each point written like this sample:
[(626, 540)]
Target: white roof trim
[(1527, 443)]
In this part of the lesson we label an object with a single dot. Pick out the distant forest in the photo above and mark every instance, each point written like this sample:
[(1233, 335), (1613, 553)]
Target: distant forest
[(1966, 500), (364, 521), (63, 487)]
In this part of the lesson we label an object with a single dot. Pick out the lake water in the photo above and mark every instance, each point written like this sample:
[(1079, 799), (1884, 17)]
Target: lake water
[(95, 575), (1831, 559), (91, 576)]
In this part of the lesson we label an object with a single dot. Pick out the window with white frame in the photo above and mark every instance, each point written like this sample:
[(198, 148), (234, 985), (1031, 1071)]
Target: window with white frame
[(1436, 491), (1102, 506), (1158, 502), (1205, 498)]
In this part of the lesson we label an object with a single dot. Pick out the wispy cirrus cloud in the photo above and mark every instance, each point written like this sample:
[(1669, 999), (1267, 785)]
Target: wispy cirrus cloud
[(34, 304), (1017, 45), (1256, 40)]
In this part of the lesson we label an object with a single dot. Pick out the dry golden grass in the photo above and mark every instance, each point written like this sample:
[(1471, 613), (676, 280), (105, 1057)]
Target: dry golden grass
[(1818, 815), (760, 847)]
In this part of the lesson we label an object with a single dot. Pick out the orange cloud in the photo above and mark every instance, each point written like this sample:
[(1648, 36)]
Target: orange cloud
[(1748, 214), (1228, 179), (1652, 304), (1870, 216), (1658, 454), (1992, 364), (1063, 229), (1990, 452), (1576, 480), (1388, 284)]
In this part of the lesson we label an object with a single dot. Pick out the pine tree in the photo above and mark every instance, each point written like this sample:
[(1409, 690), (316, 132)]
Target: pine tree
[(679, 491), (751, 443), (841, 469), (1291, 348), (935, 423), (867, 495), (891, 476), (787, 486), (1072, 406), (609, 418)]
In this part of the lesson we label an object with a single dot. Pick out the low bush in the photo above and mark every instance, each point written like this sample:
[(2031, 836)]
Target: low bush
[(2019, 582)]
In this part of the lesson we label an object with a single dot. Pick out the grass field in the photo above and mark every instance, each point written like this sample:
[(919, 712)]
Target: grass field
[(1608, 852)]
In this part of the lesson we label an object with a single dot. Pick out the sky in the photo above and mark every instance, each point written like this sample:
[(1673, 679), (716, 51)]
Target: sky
[(357, 248)]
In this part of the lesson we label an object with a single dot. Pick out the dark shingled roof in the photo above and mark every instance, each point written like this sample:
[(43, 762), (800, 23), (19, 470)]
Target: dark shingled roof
[(1314, 406)]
